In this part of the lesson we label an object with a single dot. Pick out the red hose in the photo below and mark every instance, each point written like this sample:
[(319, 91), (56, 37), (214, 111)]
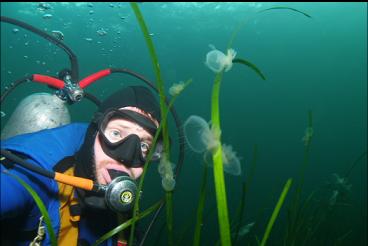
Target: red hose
[(56, 83), (93, 77)]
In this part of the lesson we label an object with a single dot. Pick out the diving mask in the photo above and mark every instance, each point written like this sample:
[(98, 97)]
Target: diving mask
[(119, 144)]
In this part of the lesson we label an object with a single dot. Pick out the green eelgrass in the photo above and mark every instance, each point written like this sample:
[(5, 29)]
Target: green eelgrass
[(353, 165), (218, 169), (246, 20), (301, 233), (205, 217), (159, 233), (163, 125), (168, 194), (136, 205), (276, 211), (202, 200), (160, 86), (245, 187), (169, 217), (251, 65), (39, 204), (258, 71), (295, 213), (306, 218), (128, 223), (287, 8), (215, 116)]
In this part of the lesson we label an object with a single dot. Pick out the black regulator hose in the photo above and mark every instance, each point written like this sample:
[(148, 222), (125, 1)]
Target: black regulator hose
[(27, 165), (13, 86)]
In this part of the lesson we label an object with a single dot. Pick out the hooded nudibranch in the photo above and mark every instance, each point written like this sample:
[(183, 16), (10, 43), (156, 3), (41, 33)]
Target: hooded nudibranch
[(218, 61), (203, 139)]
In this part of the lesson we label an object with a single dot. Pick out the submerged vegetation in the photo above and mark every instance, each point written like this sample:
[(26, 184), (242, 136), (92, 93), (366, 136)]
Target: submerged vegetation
[(41, 206), (306, 217)]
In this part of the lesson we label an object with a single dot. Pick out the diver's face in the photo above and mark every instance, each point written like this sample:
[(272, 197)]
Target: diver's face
[(116, 130)]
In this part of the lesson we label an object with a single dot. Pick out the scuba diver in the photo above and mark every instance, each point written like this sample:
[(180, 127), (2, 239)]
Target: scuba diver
[(84, 173), (115, 143)]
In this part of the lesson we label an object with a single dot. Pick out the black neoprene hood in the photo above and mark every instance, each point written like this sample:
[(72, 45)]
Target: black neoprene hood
[(136, 96)]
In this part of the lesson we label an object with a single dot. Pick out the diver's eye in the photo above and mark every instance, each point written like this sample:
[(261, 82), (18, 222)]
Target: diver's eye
[(114, 135), (144, 147)]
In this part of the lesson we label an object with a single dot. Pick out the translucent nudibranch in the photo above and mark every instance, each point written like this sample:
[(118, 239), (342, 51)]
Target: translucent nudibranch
[(199, 136), (176, 88), (307, 135), (165, 169), (203, 139), (341, 182), (333, 198), (244, 230), (231, 160), (218, 61)]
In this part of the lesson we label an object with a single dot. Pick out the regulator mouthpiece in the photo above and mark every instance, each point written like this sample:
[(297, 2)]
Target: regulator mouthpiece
[(121, 194)]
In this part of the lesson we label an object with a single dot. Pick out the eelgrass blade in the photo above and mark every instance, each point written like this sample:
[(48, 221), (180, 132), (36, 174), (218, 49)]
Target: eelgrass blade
[(147, 231), (292, 9), (39, 204), (208, 214), (188, 225), (169, 217), (156, 68), (159, 233), (128, 223), (251, 65), (276, 212), (246, 185), (347, 175), (160, 86), (341, 238), (201, 203), (238, 219), (257, 240), (149, 157), (300, 217), (140, 186), (136, 206), (294, 211), (164, 110), (247, 19), (218, 169), (305, 159)]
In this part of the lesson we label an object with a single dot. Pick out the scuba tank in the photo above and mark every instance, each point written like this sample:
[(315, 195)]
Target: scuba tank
[(36, 112)]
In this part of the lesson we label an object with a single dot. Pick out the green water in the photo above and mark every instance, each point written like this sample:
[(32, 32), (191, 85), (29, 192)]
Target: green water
[(317, 64)]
